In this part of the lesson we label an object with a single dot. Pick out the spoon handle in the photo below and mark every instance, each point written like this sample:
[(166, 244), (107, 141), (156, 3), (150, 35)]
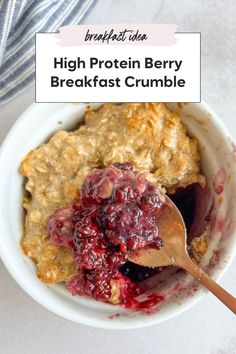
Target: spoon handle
[(212, 286)]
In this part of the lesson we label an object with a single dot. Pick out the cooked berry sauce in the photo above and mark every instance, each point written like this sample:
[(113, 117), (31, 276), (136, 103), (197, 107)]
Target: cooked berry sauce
[(114, 215), (185, 200)]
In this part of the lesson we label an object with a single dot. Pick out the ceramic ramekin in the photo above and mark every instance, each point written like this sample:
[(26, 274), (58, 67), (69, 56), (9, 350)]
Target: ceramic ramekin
[(218, 155)]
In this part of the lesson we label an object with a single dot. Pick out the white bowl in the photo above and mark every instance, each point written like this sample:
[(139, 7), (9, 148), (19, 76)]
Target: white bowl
[(218, 156)]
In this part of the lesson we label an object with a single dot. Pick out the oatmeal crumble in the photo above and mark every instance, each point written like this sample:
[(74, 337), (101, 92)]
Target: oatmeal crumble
[(148, 135), (198, 246)]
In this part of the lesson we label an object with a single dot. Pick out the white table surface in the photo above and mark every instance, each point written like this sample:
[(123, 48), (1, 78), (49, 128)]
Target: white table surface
[(208, 327)]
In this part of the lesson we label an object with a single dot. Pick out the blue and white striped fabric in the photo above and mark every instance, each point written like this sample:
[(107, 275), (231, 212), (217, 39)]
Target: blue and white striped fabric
[(19, 21)]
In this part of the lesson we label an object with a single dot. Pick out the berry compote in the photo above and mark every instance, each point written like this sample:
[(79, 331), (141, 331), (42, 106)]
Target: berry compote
[(114, 215)]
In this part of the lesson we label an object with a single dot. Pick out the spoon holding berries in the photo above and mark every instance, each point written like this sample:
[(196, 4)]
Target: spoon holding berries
[(172, 231)]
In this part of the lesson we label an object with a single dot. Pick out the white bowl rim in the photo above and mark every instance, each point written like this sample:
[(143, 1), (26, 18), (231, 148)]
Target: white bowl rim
[(101, 323)]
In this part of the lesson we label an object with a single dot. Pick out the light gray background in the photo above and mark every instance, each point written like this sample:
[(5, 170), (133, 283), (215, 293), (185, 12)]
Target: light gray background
[(207, 328)]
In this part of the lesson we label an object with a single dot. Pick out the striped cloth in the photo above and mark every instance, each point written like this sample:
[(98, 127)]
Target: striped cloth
[(19, 20)]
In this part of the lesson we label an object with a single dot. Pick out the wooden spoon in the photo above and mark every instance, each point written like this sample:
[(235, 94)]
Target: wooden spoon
[(174, 252)]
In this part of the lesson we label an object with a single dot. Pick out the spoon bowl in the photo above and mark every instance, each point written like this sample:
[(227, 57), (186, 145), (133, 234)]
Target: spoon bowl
[(172, 231)]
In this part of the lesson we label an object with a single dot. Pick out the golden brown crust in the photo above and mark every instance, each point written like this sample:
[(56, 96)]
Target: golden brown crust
[(148, 135)]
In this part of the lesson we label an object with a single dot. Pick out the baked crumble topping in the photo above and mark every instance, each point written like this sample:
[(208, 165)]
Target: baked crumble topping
[(147, 135)]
